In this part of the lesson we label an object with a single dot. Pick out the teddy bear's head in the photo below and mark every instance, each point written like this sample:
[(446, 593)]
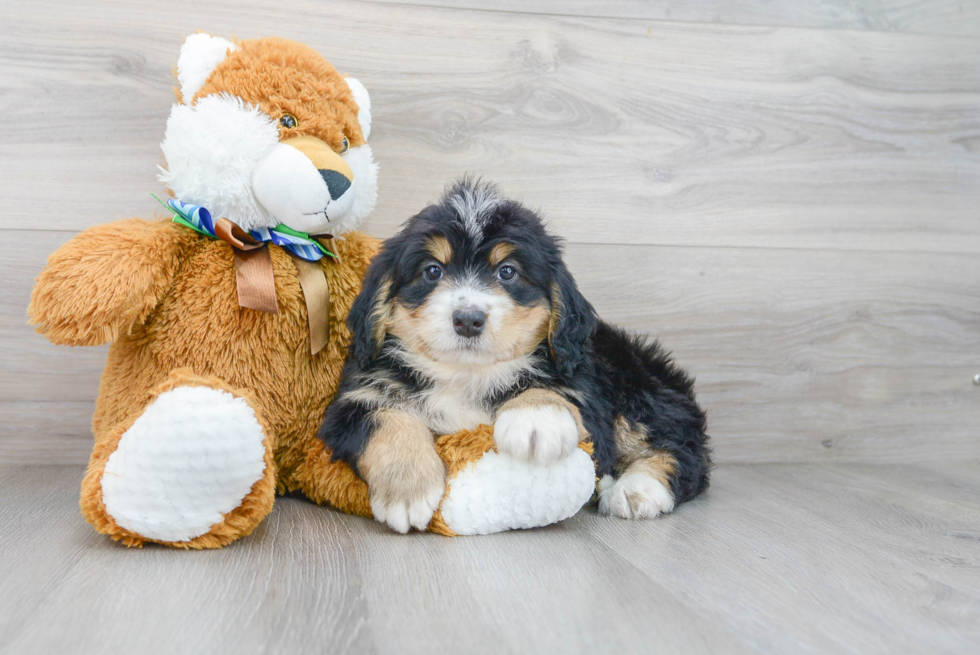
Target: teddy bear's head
[(267, 132)]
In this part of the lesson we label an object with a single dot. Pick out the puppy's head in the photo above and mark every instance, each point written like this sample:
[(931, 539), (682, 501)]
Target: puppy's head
[(474, 279)]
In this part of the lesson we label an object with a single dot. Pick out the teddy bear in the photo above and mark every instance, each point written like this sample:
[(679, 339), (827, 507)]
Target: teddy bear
[(227, 317)]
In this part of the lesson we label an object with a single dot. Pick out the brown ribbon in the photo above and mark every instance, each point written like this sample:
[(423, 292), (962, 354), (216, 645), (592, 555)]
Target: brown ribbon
[(313, 280), (257, 284)]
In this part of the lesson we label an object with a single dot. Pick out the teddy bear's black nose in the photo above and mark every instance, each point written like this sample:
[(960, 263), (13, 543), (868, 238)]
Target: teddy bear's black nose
[(337, 184)]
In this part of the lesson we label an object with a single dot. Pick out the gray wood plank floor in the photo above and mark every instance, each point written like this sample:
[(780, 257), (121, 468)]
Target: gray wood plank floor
[(801, 558)]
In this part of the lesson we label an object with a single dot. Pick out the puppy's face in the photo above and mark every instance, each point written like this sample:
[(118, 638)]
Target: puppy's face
[(473, 280), (469, 300)]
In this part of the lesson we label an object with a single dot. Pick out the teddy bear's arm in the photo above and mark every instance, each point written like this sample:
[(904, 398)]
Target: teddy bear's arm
[(106, 280)]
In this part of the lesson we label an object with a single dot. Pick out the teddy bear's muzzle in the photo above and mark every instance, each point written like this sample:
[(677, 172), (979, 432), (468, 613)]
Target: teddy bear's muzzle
[(304, 184)]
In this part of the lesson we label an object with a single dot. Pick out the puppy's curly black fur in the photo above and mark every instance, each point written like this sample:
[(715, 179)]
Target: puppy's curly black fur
[(469, 307)]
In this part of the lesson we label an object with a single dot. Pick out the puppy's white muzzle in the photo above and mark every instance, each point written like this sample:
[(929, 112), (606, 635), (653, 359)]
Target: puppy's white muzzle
[(304, 184)]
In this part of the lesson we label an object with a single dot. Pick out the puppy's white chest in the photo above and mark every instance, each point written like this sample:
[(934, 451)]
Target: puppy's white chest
[(448, 407), (458, 395)]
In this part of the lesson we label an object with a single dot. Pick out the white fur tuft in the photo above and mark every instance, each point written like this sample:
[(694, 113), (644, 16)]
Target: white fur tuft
[(211, 150), (363, 101), (500, 493), (199, 55), (473, 203)]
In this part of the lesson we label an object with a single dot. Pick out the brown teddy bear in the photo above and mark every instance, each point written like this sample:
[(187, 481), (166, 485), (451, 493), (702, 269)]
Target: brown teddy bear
[(227, 323)]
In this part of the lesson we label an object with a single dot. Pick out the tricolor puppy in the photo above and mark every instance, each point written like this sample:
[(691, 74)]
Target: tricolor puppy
[(469, 316)]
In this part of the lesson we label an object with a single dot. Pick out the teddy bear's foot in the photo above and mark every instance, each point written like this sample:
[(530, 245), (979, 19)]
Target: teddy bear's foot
[(192, 470), (490, 491)]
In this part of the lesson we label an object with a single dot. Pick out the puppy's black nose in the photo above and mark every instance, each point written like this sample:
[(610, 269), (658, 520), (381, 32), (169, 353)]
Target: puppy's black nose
[(469, 322), (337, 184)]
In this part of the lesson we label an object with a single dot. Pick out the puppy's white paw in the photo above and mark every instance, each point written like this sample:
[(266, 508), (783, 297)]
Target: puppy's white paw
[(406, 486), (405, 475), (634, 496), (542, 434), (405, 511)]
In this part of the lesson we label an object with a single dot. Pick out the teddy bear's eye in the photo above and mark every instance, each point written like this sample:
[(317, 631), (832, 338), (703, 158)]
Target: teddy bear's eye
[(288, 121), (345, 146)]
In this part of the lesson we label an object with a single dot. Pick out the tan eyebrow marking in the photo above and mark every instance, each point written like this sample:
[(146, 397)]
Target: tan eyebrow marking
[(439, 248), (500, 252)]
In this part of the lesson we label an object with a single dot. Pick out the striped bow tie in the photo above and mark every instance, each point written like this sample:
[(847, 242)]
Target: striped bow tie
[(199, 219)]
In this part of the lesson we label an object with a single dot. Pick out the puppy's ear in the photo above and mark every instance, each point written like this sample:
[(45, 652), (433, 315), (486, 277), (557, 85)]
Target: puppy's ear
[(369, 315), (573, 322)]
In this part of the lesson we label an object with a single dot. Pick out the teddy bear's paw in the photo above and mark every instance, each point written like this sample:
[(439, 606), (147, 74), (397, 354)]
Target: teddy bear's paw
[(634, 496), (499, 492), (189, 459), (542, 434)]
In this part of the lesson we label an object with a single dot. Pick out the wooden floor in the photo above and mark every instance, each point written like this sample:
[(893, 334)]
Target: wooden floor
[(777, 558)]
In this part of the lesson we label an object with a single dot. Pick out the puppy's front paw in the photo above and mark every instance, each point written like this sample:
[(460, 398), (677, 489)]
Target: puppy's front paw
[(406, 478), (405, 492), (543, 434), (634, 496), (407, 503)]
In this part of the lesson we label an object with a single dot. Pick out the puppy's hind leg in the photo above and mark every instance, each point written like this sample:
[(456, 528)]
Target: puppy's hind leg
[(642, 491)]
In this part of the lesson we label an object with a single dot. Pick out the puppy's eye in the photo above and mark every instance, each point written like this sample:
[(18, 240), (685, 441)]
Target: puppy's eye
[(345, 146), (506, 273), (432, 273), (288, 121)]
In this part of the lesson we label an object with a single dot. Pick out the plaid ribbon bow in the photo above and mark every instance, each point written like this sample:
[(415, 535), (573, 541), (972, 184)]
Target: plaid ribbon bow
[(298, 243)]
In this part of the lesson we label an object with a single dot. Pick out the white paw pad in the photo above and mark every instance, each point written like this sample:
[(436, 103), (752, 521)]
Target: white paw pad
[(190, 458), (543, 434), (634, 496)]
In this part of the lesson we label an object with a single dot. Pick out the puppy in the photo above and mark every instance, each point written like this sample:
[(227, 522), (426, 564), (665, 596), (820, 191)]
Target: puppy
[(468, 315)]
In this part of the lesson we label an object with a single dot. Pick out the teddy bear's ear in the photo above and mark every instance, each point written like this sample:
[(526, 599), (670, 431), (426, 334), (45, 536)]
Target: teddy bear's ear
[(200, 54), (363, 101)]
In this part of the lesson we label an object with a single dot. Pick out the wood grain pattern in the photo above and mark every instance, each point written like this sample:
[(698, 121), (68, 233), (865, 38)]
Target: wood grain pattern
[(953, 17), (46, 432), (630, 132), (799, 204), (799, 355), (775, 559)]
